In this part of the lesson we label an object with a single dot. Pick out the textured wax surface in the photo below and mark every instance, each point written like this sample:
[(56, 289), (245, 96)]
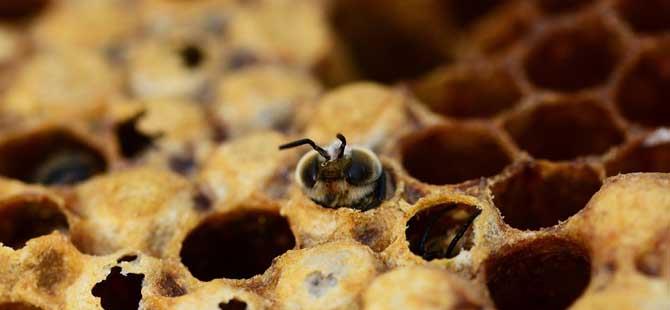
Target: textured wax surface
[(523, 144)]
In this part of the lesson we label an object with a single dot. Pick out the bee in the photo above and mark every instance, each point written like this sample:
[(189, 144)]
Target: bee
[(340, 175), (431, 248)]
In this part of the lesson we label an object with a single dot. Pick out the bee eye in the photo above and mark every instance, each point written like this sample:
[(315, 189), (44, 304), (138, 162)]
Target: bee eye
[(358, 173), (364, 168), (308, 168)]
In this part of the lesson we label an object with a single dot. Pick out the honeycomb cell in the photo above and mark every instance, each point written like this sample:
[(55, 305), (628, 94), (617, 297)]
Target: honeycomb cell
[(127, 258), (649, 16), (650, 154), (653, 261), (636, 204), (562, 6), (573, 58), (274, 30), (18, 306), (52, 157), (168, 285), (119, 291), (542, 194), (233, 304), (504, 29), (467, 12), (27, 217), (132, 142), (168, 68), (191, 56), (473, 91), (546, 273), (261, 98), (644, 90), (327, 276), (379, 113), (18, 9), (565, 129), (236, 245), (441, 231), (381, 49), (421, 287), (450, 154)]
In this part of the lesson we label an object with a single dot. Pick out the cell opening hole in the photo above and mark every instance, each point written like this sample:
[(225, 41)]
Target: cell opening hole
[(575, 58), (538, 196), (119, 291), (453, 154), (548, 273), (236, 245), (53, 157), (22, 219), (442, 231)]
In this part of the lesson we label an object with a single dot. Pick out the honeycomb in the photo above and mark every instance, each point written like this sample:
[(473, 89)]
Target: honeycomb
[(523, 144)]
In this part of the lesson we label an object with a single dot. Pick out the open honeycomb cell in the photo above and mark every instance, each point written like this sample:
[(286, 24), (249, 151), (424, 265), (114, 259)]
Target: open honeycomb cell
[(25, 218), (446, 154), (578, 56), (650, 153), (642, 92), (441, 231), (523, 277), (50, 157), (503, 29), (522, 151), (540, 195), (367, 27), (564, 129), (469, 92), (262, 235), (648, 17)]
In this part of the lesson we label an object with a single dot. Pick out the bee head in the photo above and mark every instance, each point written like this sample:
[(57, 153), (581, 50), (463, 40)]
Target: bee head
[(353, 167)]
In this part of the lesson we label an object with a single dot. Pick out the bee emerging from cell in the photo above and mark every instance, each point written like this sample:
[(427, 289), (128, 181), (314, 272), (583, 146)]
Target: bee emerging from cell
[(340, 175), (450, 243), (442, 231)]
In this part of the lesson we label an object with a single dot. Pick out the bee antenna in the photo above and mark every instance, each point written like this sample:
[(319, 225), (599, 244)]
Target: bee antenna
[(342, 146), (311, 143)]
